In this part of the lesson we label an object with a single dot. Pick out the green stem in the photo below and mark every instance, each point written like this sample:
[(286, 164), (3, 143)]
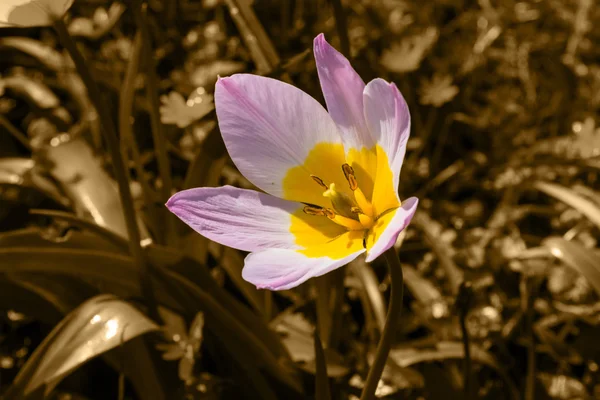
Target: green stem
[(341, 26), (391, 322), (112, 141)]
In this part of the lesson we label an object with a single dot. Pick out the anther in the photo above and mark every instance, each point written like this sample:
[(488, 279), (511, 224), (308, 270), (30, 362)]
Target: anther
[(349, 174), (319, 211), (319, 181), (314, 210)]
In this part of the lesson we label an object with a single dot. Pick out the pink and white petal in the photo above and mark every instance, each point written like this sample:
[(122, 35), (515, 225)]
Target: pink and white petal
[(279, 269), (397, 222), (343, 91), (388, 119), (269, 127), (239, 218)]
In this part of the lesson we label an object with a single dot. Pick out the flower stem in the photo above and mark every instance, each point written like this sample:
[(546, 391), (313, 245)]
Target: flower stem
[(112, 141), (391, 322)]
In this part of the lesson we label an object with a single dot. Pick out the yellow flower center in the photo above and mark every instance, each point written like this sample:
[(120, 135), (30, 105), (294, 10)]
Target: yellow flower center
[(347, 201), (354, 213)]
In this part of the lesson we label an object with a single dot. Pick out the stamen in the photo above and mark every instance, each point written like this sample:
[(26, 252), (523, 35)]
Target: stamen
[(359, 196), (314, 210), (362, 202), (349, 174), (319, 181), (351, 224), (319, 211), (366, 221)]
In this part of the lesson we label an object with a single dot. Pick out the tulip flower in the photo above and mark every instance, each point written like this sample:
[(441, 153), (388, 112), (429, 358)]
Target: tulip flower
[(26, 13), (330, 178)]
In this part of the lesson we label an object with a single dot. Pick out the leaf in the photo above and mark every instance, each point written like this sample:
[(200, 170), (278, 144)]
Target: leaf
[(438, 90), (298, 337), (321, 380), (370, 284), (48, 297), (98, 325), (406, 357), (571, 198), (175, 110), (103, 21), (86, 182), (563, 387), (116, 272), (23, 172), (44, 54), (232, 262), (431, 231), (29, 303), (575, 256), (407, 55), (36, 93)]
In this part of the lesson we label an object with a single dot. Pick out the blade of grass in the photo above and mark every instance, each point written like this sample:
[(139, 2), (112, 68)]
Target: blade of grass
[(127, 137), (571, 198), (15, 132), (110, 136), (86, 225), (581, 259), (425, 224), (158, 134), (254, 36)]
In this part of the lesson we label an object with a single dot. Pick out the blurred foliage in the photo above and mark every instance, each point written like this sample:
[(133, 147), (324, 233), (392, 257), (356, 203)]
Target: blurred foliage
[(504, 155)]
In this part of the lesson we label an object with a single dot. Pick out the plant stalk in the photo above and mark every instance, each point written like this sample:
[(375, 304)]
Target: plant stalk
[(391, 322), (121, 175)]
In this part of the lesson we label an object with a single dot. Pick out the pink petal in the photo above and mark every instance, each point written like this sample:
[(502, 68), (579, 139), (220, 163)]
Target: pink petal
[(343, 91), (238, 218), (388, 119), (278, 269), (403, 216), (269, 127)]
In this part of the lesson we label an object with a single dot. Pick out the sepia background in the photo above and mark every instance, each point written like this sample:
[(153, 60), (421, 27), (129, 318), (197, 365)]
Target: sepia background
[(501, 262)]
